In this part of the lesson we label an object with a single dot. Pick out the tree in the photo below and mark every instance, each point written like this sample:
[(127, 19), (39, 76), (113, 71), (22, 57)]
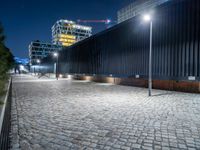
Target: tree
[(6, 61), (6, 57), (2, 36)]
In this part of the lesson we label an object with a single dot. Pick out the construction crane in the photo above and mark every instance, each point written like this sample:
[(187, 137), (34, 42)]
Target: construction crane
[(106, 21)]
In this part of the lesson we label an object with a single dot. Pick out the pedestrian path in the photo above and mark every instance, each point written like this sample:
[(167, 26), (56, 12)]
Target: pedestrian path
[(71, 114)]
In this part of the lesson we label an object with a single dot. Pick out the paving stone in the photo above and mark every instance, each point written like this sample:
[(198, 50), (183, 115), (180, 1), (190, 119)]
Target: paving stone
[(136, 146), (68, 114), (182, 146)]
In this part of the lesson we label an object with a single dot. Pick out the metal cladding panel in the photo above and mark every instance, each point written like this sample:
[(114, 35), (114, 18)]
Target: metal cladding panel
[(124, 49)]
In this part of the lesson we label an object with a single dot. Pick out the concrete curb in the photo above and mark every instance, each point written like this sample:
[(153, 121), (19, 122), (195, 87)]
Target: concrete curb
[(4, 106)]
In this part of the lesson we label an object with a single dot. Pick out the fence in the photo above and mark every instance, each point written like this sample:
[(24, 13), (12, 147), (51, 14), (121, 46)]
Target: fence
[(123, 50), (5, 119)]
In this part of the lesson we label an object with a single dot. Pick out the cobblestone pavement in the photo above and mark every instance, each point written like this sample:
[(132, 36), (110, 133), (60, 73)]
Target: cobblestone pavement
[(50, 114)]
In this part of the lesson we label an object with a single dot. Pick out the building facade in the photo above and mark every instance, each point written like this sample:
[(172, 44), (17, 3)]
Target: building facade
[(137, 7), (38, 50), (66, 33)]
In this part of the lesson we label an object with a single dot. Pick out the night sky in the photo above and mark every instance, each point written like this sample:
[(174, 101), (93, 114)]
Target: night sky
[(28, 20)]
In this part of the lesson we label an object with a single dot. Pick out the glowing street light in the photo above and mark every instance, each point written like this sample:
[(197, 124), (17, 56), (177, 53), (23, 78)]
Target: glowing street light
[(38, 61), (148, 18), (55, 54), (56, 64)]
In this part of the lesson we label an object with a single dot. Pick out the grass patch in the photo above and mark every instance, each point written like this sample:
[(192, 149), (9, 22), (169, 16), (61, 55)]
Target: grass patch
[(2, 87), (3, 83), (2, 90), (1, 103)]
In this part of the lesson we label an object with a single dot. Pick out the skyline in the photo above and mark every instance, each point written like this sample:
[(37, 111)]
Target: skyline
[(27, 21)]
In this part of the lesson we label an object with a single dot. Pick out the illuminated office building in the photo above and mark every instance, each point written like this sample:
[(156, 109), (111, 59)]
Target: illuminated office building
[(66, 33), (38, 50)]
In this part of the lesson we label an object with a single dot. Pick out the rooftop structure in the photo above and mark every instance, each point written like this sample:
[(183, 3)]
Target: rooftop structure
[(66, 33), (137, 7), (39, 50)]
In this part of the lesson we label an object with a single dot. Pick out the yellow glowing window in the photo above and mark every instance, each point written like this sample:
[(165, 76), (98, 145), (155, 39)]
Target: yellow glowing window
[(67, 40), (66, 44), (69, 25), (67, 36)]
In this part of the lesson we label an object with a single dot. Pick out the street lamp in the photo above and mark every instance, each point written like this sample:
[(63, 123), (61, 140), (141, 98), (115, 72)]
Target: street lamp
[(55, 54), (38, 61), (147, 18), (56, 65)]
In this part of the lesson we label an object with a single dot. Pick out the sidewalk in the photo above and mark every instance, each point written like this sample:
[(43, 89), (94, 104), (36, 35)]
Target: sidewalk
[(68, 114)]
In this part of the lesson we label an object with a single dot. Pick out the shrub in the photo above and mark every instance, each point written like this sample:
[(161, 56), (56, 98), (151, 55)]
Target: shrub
[(6, 62)]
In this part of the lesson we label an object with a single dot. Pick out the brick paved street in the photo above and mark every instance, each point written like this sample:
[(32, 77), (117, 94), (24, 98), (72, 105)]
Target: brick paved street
[(50, 114)]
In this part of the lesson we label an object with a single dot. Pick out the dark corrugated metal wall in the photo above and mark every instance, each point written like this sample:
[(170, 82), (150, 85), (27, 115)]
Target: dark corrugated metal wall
[(124, 50)]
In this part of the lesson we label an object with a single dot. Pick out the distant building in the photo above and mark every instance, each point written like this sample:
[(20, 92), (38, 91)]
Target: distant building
[(66, 33), (23, 61), (39, 50), (137, 7)]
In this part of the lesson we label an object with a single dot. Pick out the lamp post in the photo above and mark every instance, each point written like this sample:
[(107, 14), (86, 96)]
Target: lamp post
[(56, 65), (38, 62), (148, 18)]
